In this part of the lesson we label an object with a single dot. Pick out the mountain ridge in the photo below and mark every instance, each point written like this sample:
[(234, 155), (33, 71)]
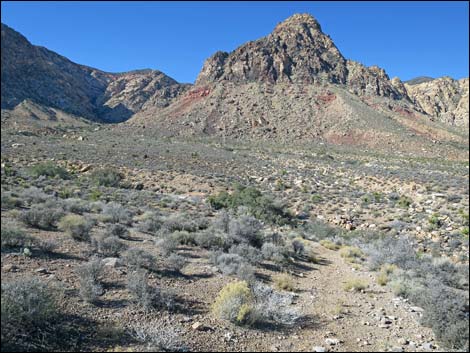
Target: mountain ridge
[(296, 52)]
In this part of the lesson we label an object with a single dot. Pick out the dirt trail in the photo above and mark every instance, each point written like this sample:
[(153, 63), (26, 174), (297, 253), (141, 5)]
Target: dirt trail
[(372, 320), (360, 326)]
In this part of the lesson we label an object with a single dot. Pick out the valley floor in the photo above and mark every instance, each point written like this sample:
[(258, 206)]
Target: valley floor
[(345, 205)]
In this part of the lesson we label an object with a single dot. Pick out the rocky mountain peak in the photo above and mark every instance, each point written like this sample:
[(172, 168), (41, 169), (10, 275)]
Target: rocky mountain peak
[(297, 51), (298, 22)]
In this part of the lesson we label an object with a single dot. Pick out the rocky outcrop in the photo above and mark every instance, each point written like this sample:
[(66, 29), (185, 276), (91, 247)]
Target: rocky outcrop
[(444, 98), (298, 52), (372, 81), (39, 75), (137, 90)]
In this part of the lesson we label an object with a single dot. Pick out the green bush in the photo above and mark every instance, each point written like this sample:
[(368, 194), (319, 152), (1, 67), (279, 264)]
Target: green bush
[(106, 177), (78, 227), (49, 169), (14, 238), (41, 217), (404, 202), (261, 206), (234, 303)]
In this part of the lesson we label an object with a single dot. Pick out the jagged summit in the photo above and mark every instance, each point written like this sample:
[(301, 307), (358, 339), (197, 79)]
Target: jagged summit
[(299, 22), (296, 51)]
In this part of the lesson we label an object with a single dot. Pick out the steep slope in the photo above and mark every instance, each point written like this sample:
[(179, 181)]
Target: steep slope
[(444, 98), (133, 91), (46, 78), (294, 84)]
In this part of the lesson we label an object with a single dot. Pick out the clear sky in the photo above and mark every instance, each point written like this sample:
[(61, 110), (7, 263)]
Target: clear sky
[(407, 39)]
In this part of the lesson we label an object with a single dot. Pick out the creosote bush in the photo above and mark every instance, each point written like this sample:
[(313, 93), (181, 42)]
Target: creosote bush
[(78, 227), (49, 169), (106, 177), (259, 205)]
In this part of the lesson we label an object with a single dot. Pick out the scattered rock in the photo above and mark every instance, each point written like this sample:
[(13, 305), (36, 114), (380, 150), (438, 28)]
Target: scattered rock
[(332, 341), (110, 261)]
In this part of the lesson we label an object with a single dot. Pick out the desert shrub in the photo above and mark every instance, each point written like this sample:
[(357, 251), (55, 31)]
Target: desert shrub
[(136, 258), (284, 282), (385, 271), (247, 252), (49, 169), (277, 254), (117, 230), (168, 244), (329, 244), (34, 195), (245, 229), (95, 195), (318, 230), (146, 296), (41, 217), (234, 303), (89, 278), (116, 213), (246, 273), (74, 205), (106, 177), (228, 264), (184, 238), (210, 239), (10, 201), (394, 251), (445, 311), (108, 245), (175, 262), (404, 202), (137, 284), (150, 223), (260, 206), (14, 238), (158, 337), (354, 285), (352, 254), (221, 221), (298, 247), (27, 304), (273, 307), (182, 222), (78, 227)]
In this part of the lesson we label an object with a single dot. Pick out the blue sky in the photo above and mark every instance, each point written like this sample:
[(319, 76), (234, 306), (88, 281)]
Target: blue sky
[(407, 39)]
